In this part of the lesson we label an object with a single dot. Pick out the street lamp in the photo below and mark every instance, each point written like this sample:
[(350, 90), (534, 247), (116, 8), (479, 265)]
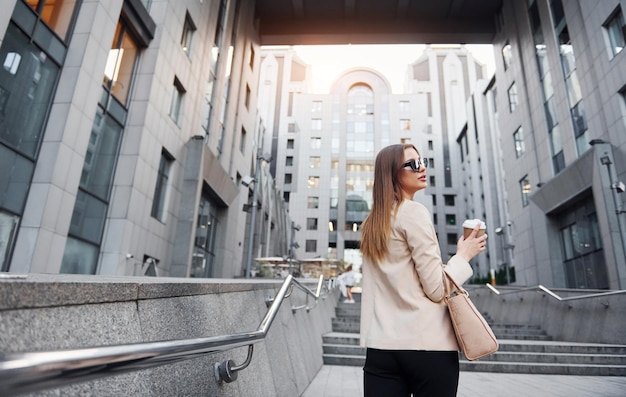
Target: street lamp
[(247, 181), (618, 186), (505, 248), (293, 244)]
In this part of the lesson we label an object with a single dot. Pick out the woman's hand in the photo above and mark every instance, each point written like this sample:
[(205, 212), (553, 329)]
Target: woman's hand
[(469, 247)]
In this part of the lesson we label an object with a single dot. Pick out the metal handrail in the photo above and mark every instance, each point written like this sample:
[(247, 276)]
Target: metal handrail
[(554, 294), (35, 371)]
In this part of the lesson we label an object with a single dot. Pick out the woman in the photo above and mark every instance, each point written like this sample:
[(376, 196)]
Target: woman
[(405, 325), (348, 279)]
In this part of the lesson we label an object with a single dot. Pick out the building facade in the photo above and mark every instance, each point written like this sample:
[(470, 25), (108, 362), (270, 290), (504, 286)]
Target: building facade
[(326, 144), (560, 89), (126, 127)]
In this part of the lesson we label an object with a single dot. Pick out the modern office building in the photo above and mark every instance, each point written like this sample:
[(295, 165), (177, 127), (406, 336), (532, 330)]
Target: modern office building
[(126, 128), (560, 90), (325, 144)]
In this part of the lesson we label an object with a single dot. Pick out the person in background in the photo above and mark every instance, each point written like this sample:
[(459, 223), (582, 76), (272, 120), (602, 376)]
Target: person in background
[(348, 279), (405, 325)]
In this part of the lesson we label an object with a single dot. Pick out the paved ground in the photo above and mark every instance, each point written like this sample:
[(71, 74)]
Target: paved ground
[(342, 381)]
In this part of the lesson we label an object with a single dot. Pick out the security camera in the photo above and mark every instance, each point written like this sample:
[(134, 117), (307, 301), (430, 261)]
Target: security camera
[(247, 180), (130, 256), (619, 186)]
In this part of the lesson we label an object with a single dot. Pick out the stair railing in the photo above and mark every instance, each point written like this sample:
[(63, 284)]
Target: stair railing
[(35, 371), (554, 295)]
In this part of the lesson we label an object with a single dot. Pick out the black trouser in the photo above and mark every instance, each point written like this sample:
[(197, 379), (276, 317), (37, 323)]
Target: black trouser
[(392, 373)]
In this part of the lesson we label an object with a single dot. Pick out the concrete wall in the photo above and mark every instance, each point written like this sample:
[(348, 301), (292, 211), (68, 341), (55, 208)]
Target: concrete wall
[(50, 312), (593, 320)]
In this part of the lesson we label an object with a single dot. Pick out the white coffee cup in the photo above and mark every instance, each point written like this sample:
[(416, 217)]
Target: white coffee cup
[(470, 224)]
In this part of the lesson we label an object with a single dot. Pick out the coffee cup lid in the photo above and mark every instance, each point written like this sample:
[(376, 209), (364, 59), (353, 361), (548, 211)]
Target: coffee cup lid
[(471, 223)]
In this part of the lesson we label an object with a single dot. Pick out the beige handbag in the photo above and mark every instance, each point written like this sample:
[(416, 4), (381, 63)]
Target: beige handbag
[(475, 337)]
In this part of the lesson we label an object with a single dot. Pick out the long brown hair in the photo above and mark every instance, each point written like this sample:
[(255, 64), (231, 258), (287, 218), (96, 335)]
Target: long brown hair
[(386, 194)]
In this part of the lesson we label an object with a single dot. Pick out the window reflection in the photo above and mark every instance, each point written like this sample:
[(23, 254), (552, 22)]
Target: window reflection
[(55, 13), (120, 64), (26, 86)]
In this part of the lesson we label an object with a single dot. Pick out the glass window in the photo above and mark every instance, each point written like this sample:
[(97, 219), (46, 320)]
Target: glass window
[(248, 96), (288, 178), (434, 199), (314, 162), (159, 202), (187, 37), (88, 217), (316, 143), (518, 138), (452, 238), (311, 223), (451, 219), (15, 178), (79, 257), (507, 55), (27, 81), (432, 180), (313, 202), (219, 33), (524, 185), (203, 260), (56, 14), (178, 93), (314, 182), (289, 161), (614, 28), (405, 124), (290, 143), (311, 246), (242, 140), (550, 110), (404, 106), (316, 124), (578, 119), (430, 145), (120, 65), (512, 97), (101, 156), (449, 200), (622, 103), (316, 107), (574, 92), (8, 230), (291, 127)]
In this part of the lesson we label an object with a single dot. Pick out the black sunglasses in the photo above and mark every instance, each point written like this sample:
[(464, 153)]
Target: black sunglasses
[(416, 165)]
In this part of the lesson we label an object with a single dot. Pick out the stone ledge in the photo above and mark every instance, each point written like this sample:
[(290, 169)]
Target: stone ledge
[(19, 291)]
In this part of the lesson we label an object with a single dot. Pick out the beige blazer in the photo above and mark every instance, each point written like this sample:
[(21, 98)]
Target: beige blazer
[(402, 304)]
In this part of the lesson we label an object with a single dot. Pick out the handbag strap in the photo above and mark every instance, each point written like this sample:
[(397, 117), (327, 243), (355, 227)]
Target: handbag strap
[(460, 289)]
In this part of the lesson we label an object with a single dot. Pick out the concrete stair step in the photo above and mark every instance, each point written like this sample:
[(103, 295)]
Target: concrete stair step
[(559, 347), (341, 338), (544, 368), (523, 337), (518, 331), (557, 358), (514, 326), (349, 350), (345, 326), (340, 359)]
